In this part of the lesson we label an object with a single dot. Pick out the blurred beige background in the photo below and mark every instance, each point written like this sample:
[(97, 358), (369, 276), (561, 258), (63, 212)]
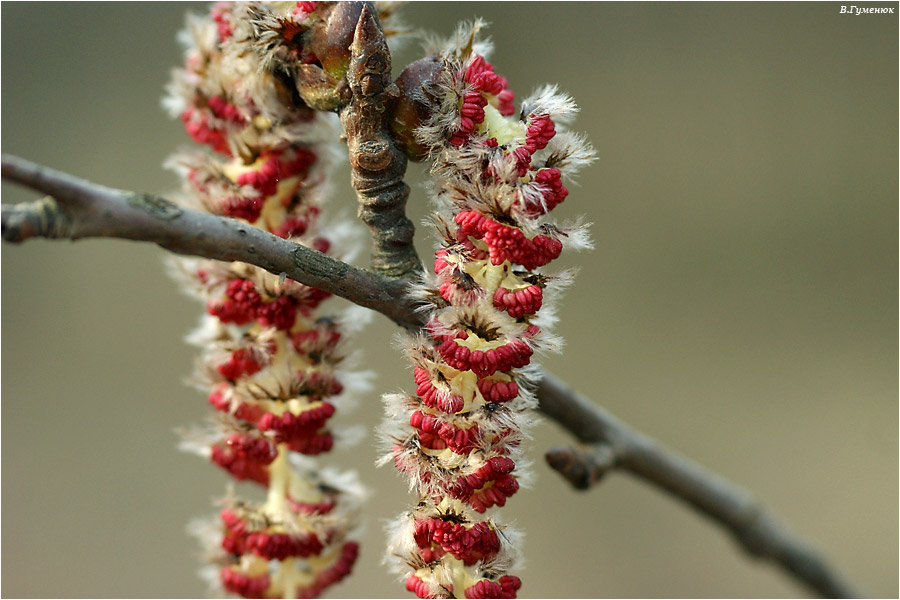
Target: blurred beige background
[(740, 306)]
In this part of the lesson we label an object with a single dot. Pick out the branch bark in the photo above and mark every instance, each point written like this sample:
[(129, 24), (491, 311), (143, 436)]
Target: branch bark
[(615, 445), (80, 209), (378, 166)]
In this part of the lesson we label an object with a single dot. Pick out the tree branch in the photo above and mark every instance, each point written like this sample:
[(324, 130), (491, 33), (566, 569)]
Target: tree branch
[(614, 445), (79, 209), (378, 166)]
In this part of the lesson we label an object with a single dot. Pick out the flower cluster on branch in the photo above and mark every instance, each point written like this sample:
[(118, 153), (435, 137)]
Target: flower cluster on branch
[(459, 439), (273, 353)]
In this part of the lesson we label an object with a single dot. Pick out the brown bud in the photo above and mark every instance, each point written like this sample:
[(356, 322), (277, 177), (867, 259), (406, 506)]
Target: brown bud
[(322, 84), (330, 41), (415, 104), (319, 90)]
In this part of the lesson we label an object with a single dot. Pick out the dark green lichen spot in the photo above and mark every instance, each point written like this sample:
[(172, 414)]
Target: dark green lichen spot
[(317, 264), (155, 206)]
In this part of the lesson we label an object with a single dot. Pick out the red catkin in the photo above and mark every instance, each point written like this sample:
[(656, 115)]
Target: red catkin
[(244, 585)]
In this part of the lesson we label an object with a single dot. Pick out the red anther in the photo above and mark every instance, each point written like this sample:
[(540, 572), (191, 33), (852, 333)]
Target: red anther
[(280, 314), (552, 190), (458, 139), (522, 157), (235, 533), (225, 111), (218, 400), (472, 110), (440, 260), (507, 485), (268, 545), (429, 423), (422, 532), (461, 441), (479, 74), (319, 508), (485, 588), (240, 468), (197, 126), (505, 103), (301, 162), (264, 178), (258, 449), (316, 342), (249, 411), (240, 303), (507, 243), (497, 391), (473, 105), (312, 444), (489, 485), (514, 354), (510, 585), (243, 292), (293, 225), (337, 571), (279, 546), (438, 435), (476, 67), (230, 519), (244, 585), (245, 457), (222, 19), (321, 244), (434, 537), (540, 131), (491, 83), (247, 207), (241, 362), (500, 464), (432, 397), (304, 7), (519, 303), (431, 441), (308, 298), (446, 291), (418, 587)]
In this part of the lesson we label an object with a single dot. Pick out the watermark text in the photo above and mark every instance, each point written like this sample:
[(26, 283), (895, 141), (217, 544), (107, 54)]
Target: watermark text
[(856, 10)]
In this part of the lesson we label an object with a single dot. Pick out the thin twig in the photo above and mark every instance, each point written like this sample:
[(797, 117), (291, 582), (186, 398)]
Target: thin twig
[(615, 445), (82, 209)]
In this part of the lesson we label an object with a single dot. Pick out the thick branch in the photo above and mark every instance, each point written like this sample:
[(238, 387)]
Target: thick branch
[(378, 166), (82, 209)]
